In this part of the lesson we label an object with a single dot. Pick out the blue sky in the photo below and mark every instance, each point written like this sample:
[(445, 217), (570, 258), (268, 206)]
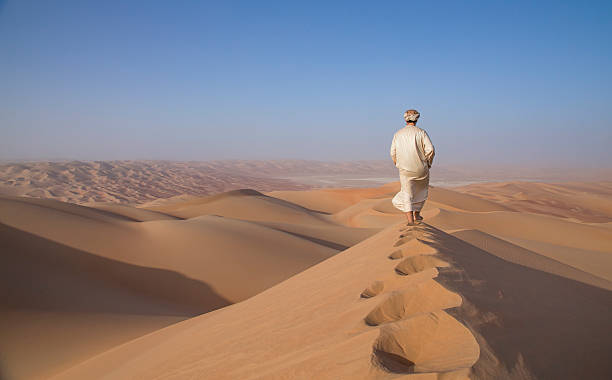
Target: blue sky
[(521, 82)]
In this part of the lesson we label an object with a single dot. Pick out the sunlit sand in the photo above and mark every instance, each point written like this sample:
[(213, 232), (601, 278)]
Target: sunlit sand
[(321, 283)]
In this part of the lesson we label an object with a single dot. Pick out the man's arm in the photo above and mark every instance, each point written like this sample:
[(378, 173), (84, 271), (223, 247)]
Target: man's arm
[(428, 149), (393, 151)]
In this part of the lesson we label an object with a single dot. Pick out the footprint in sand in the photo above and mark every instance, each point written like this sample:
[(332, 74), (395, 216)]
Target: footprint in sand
[(432, 342), (397, 254), (420, 227), (416, 235), (373, 290), (405, 238), (415, 247), (402, 241), (419, 263), (416, 299)]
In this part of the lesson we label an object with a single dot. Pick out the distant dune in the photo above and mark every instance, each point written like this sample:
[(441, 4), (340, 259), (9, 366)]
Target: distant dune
[(152, 182), (137, 182), (310, 284), (128, 182), (587, 202)]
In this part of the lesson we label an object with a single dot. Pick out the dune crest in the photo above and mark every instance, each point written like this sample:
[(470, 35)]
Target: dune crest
[(585, 201), (380, 328)]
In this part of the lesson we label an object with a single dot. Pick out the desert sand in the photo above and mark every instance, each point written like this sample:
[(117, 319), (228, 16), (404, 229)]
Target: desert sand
[(311, 284), (132, 182)]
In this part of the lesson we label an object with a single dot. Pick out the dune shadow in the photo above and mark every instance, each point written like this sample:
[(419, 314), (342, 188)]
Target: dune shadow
[(392, 363), (325, 243), (560, 327), (40, 274)]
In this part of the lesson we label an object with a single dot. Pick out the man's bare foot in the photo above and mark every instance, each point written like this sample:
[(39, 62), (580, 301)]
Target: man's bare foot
[(417, 216)]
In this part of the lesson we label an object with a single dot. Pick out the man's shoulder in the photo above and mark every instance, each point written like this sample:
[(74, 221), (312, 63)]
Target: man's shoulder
[(401, 130), (410, 129), (421, 131)]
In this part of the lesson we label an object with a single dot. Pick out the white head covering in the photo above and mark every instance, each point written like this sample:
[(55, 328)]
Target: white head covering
[(411, 116)]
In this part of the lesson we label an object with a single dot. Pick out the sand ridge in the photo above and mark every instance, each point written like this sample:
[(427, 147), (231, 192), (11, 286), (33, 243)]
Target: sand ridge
[(443, 344), (584, 201), (119, 264), (330, 284)]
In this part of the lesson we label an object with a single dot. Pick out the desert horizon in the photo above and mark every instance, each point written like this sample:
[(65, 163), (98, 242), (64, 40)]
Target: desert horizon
[(128, 181)]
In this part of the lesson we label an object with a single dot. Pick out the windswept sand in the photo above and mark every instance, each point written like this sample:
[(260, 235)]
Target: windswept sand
[(132, 271), (586, 202), (320, 284), (131, 182)]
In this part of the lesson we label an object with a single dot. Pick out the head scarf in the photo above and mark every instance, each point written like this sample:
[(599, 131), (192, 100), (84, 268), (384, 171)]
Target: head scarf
[(411, 116)]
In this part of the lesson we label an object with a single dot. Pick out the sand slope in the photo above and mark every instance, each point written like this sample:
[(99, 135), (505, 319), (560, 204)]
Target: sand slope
[(588, 202), (483, 290), (370, 313), (529, 324), (186, 246), (246, 204), (318, 331), (61, 305), (132, 271), (334, 200), (581, 245), (519, 255)]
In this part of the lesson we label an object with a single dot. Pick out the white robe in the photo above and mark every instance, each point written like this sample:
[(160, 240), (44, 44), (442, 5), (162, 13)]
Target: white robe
[(413, 153)]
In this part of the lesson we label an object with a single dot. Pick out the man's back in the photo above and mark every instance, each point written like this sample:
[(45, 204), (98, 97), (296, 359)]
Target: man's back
[(412, 150)]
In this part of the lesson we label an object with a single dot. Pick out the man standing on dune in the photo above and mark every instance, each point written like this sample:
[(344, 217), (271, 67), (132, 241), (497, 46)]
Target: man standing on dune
[(412, 153)]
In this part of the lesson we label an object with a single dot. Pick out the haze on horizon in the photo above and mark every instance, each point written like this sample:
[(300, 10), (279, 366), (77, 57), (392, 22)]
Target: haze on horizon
[(513, 83)]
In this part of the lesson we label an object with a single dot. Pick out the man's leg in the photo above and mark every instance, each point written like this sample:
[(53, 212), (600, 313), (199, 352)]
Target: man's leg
[(410, 217), (417, 216)]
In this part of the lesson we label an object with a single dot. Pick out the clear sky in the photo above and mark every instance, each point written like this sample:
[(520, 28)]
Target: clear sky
[(526, 82)]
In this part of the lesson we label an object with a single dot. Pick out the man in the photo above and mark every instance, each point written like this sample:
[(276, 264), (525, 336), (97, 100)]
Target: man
[(412, 153)]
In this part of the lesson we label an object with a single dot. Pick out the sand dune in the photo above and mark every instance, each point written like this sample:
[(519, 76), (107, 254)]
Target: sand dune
[(138, 182), (118, 265), (338, 237), (185, 246), (324, 284), (133, 213), (129, 181), (597, 262), (365, 214), (322, 314), (52, 295), (519, 255), (461, 201), (588, 202), (583, 246), (244, 204), (529, 324), (548, 229), (325, 329), (333, 200)]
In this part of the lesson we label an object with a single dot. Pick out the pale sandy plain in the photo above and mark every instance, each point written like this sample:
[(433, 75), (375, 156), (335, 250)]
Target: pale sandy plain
[(503, 281)]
